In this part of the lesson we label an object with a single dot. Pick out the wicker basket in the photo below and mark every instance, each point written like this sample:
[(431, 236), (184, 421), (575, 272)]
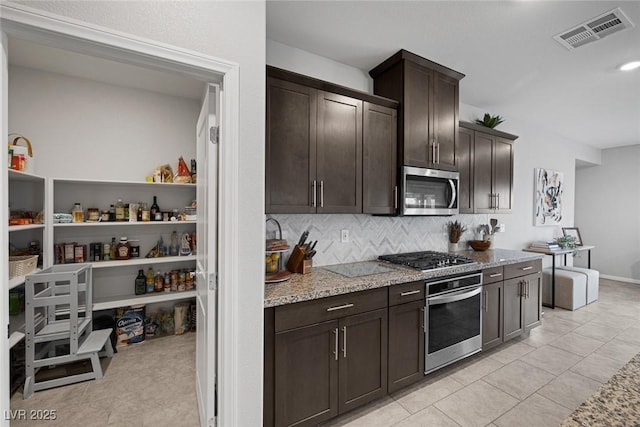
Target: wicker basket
[(22, 265)]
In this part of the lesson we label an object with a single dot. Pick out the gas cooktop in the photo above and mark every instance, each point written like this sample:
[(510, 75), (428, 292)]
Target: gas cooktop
[(426, 260)]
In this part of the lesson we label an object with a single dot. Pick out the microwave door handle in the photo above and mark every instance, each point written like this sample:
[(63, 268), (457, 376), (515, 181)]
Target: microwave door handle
[(456, 296), (453, 193)]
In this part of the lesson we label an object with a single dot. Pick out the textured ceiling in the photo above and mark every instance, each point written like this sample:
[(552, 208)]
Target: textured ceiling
[(513, 65)]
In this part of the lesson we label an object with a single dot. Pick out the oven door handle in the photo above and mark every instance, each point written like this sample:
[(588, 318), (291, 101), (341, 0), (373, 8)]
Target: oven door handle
[(456, 296)]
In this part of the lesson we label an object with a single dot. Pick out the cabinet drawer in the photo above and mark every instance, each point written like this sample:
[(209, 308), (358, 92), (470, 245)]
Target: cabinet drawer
[(323, 309), (406, 292), (522, 269), (492, 275)]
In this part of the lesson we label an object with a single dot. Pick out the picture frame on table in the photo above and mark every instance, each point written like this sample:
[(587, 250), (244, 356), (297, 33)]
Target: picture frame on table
[(573, 232)]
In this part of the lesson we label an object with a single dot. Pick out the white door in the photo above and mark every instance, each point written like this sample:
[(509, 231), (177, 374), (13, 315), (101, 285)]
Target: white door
[(207, 256)]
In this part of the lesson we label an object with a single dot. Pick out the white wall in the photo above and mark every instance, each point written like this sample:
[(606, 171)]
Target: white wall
[(85, 129), (608, 212), (535, 147), (233, 31)]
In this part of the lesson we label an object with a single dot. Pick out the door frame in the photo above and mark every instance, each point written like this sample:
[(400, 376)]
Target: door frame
[(66, 33)]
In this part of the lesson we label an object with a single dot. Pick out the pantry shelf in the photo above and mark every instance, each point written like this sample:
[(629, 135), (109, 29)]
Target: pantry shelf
[(126, 183), (142, 261), (127, 300), (13, 228), (15, 175), (121, 224), (14, 282)]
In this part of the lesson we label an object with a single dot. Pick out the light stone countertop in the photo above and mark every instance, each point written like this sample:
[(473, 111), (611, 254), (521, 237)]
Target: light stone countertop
[(321, 283)]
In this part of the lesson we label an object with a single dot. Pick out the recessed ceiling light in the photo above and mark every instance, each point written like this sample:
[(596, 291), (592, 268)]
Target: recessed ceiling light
[(630, 66)]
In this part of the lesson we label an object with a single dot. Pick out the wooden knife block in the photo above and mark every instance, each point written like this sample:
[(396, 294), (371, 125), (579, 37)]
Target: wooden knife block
[(297, 263)]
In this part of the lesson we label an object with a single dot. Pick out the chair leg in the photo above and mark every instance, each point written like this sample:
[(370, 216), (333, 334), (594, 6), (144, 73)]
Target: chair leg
[(97, 368)]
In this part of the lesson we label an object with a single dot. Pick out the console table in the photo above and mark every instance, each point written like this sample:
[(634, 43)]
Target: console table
[(553, 255)]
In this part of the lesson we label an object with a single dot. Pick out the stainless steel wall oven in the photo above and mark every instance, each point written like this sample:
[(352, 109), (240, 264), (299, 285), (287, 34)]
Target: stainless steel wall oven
[(453, 319)]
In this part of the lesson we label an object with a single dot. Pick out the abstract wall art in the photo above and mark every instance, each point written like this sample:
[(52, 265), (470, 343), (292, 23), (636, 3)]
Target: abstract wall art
[(548, 187)]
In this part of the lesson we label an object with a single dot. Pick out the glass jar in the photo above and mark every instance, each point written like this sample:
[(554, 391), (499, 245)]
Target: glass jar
[(77, 212)]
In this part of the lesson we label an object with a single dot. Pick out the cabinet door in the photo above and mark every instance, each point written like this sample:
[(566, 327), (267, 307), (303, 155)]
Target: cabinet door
[(483, 173), (363, 359), (492, 315), (379, 195), (417, 115), (503, 175), (532, 302), (339, 154), (464, 154), (512, 309), (290, 147), (306, 375), (406, 344), (445, 120)]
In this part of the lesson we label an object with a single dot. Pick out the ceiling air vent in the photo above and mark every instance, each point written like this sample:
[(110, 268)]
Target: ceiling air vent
[(594, 29)]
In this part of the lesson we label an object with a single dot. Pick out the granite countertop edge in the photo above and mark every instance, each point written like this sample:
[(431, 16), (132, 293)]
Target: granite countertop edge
[(322, 283)]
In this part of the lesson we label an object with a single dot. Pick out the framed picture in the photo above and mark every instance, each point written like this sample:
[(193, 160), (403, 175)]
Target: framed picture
[(573, 232), (548, 189)]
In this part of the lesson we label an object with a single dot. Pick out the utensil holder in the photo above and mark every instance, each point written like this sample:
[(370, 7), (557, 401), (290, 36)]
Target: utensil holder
[(297, 262)]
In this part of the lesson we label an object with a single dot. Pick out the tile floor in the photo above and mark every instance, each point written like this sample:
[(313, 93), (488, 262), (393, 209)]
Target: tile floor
[(534, 381), (148, 384)]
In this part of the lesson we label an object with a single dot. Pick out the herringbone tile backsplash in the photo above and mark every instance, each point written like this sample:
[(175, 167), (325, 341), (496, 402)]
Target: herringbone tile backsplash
[(370, 236)]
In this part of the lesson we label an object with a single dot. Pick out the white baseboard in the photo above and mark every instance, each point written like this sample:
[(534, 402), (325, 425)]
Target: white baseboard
[(620, 279)]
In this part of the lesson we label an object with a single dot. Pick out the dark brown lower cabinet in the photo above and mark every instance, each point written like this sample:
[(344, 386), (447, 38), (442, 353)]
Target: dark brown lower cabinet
[(532, 301), (328, 368), (492, 315), (512, 309), (406, 344)]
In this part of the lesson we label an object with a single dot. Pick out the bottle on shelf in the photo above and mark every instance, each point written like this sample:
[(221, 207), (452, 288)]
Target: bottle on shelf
[(146, 213), (174, 249), (158, 282), (123, 251), (141, 283), (194, 175), (119, 211), (113, 247), (150, 282), (155, 210), (77, 212), (126, 212), (139, 212), (112, 213), (167, 282)]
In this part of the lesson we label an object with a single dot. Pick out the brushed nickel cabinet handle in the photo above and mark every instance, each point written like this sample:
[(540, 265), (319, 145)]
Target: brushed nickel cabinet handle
[(486, 301), (395, 197), (438, 152), (527, 268), (335, 352), (340, 307), (315, 201), (528, 289), (404, 294), (423, 323), (498, 203), (344, 341), (321, 194), (495, 275)]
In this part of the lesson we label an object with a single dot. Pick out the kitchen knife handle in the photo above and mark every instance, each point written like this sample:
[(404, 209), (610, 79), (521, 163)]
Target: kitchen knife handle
[(314, 194), (344, 341), (321, 193), (335, 332)]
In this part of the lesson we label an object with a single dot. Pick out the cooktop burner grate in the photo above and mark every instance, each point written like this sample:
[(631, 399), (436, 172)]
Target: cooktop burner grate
[(426, 260)]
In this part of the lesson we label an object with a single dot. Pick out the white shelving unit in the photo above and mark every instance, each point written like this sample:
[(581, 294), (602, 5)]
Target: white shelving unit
[(114, 279), (26, 192)]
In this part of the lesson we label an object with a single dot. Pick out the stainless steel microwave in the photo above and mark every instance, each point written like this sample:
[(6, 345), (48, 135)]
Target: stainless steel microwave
[(429, 191)]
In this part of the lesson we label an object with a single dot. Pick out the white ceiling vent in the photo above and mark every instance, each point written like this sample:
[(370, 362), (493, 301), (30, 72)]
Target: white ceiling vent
[(594, 29)]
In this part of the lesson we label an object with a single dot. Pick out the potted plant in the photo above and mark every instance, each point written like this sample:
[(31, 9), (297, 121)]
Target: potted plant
[(489, 121), (455, 229)]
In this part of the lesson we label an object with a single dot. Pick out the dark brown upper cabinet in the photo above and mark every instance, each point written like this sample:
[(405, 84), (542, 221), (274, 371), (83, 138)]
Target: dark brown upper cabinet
[(379, 186), (325, 146), (428, 113), (485, 158)]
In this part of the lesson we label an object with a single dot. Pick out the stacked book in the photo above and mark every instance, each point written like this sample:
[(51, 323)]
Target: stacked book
[(550, 245)]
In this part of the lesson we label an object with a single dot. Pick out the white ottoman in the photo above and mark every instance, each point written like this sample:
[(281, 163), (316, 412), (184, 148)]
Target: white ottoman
[(571, 288), (593, 281)]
